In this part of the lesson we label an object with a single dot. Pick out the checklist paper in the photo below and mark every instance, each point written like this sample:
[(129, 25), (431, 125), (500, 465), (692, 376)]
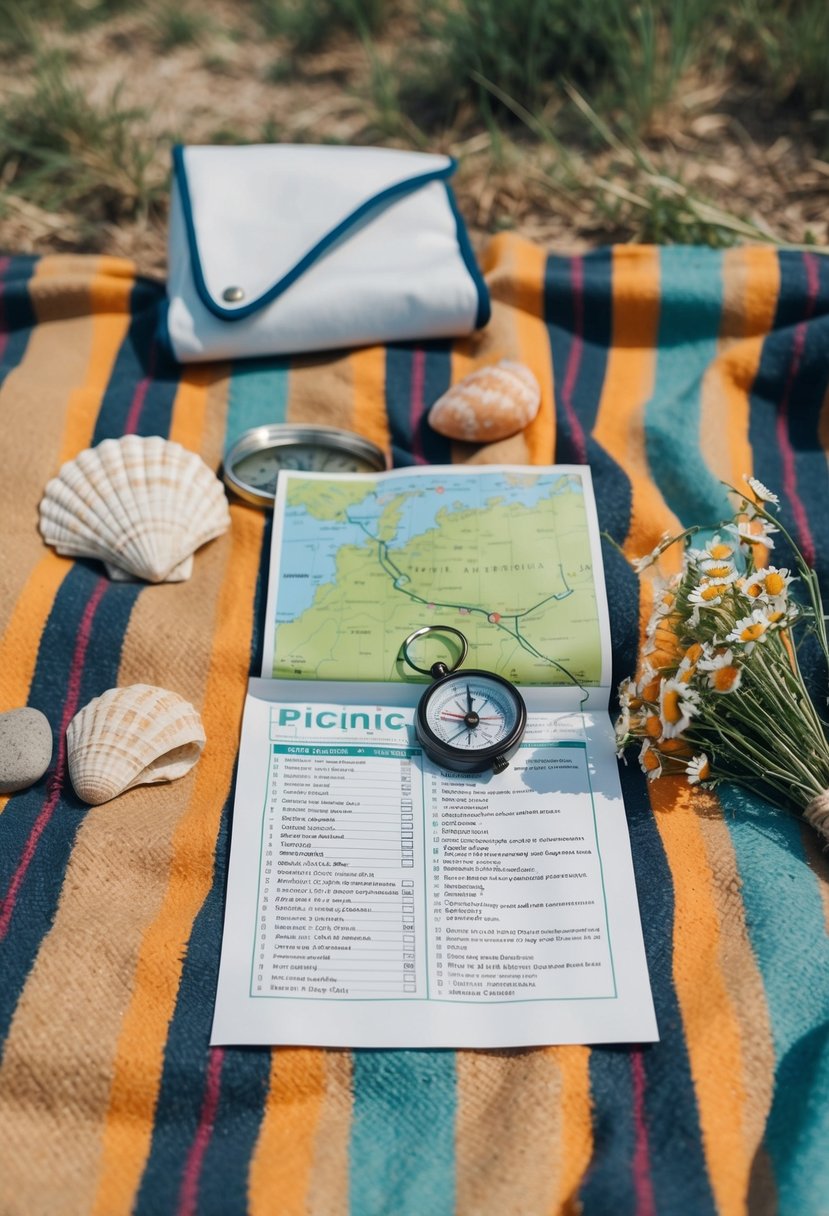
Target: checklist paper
[(378, 900)]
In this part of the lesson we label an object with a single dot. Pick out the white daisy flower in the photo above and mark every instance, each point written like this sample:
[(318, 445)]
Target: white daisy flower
[(627, 693), (698, 769), (719, 550), (768, 584), (780, 613), (677, 705), (665, 604), (762, 492), (641, 563), (750, 630), (713, 659), (718, 570), (650, 761), (754, 532), (723, 673), (622, 729), (708, 595), (685, 671)]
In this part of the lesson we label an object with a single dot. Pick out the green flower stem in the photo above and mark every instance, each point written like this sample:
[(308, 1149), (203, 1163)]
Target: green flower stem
[(793, 688), (759, 751)]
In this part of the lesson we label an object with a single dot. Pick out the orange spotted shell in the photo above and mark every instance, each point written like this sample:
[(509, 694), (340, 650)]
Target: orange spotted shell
[(491, 403)]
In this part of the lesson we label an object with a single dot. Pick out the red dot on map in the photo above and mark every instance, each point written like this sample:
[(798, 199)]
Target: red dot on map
[(463, 611), (438, 489), (494, 617), (431, 607)]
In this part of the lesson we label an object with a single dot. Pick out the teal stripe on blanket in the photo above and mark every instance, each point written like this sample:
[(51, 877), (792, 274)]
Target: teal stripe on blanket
[(403, 1134), (691, 282), (786, 926), (258, 396)]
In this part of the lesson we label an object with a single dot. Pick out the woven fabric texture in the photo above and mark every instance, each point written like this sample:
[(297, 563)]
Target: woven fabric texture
[(668, 371)]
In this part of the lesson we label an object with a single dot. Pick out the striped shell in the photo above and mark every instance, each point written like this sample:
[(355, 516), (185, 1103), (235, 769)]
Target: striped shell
[(491, 403), (139, 735), (141, 505)]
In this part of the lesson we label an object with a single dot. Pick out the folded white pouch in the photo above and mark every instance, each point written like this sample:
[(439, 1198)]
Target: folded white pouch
[(282, 248)]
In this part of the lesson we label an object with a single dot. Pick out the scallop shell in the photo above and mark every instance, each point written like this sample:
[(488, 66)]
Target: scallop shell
[(141, 505), (491, 403), (138, 735)]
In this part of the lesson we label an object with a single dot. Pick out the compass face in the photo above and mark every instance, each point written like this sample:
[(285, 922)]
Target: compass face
[(472, 712), (261, 469), (470, 721), (254, 463)]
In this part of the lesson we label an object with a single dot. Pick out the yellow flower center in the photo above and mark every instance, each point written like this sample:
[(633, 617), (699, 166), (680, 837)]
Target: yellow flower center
[(720, 552), (775, 583), (753, 589), (650, 760), (704, 771), (670, 705), (718, 571), (713, 590), (725, 678), (694, 652), (752, 632), (653, 726), (687, 676), (651, 691)]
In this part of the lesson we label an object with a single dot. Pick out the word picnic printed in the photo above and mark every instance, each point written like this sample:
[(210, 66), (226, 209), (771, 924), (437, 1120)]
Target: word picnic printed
[(343, 719)]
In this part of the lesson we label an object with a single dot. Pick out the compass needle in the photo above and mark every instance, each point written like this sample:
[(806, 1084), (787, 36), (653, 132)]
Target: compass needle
[(489, 740)]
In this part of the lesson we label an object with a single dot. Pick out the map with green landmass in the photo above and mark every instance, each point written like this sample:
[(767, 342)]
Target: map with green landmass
[(504, 556)]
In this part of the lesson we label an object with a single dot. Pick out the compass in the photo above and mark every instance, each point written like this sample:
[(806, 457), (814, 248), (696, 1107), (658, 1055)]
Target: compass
[(253, 464), (468, 721)]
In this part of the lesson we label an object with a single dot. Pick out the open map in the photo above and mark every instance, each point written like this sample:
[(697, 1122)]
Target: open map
[(506, 556)]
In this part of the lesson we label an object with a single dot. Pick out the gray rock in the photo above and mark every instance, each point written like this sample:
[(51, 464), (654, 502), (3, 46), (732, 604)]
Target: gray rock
[(25, 748)]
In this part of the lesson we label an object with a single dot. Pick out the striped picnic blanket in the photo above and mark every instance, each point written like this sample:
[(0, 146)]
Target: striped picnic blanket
[(666, 370)]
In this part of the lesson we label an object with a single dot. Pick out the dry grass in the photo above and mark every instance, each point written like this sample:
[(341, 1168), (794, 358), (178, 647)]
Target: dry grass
[(89, 110)]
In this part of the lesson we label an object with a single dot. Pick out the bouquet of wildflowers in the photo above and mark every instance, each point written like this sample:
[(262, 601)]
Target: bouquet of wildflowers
[(719, 694)]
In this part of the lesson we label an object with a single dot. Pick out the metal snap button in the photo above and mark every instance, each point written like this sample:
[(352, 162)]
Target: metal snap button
[(233, 295)]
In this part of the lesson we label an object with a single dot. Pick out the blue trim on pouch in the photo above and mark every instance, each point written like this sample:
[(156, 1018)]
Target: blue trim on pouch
[(468, 254), (405, 187)]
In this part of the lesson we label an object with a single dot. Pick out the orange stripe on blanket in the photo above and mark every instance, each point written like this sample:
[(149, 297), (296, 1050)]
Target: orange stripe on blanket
[(741, 973), (576, 1128), (284, 1152), (104, 330), (138, 1064), (302, 1151), (19, 644), (187, 424), (114, 886), (509, 1137), (109, 303), (712, 1029), (628, 385), (515, 274), (369, 416), (526, 265)]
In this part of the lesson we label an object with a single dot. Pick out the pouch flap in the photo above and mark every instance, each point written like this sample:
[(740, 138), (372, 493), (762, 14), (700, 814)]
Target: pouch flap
[(259, 215)]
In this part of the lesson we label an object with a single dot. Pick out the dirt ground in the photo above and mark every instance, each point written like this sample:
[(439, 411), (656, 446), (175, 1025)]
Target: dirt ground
[(716, 151)]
